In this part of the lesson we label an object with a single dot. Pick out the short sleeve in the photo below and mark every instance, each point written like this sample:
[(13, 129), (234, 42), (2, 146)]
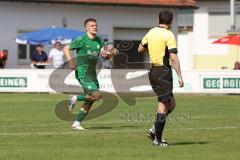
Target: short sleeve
[(171, 43), (144, 41), (51, 53), (76, 43)]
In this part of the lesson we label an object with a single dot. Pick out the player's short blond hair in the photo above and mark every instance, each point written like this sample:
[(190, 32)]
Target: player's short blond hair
[(89, 20)]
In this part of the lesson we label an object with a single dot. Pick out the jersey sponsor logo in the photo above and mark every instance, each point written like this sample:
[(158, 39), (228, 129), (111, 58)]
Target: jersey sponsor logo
[(92, 54), (89, 87)]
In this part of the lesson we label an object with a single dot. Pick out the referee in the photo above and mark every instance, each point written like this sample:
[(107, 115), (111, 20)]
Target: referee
[(161, 45)]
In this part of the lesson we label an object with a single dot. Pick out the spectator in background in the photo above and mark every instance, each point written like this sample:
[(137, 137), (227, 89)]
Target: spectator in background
[(3, 58), (39, 58), (56, 56), (237, 65)]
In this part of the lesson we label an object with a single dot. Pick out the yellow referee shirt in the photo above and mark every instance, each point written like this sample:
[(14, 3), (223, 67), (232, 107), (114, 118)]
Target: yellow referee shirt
[(159, 42)]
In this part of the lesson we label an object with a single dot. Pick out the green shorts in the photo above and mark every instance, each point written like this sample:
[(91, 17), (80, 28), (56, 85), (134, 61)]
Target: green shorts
[(88, 81), (89, 85)]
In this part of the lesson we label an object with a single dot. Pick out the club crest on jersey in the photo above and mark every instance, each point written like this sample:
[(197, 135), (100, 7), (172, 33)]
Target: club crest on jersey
[(98, 46)]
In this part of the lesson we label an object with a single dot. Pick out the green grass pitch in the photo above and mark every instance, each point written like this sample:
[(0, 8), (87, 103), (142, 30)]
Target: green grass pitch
[(202, 127)]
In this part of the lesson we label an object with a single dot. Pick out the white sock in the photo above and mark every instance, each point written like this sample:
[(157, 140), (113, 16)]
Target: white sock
[(152, 129), (74, 98), (76, 123)]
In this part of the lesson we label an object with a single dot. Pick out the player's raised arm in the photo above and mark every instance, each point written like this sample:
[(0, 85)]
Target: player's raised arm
[(67, 54)]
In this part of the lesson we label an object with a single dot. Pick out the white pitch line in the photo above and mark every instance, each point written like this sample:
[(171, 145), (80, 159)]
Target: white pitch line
[(32, 125), (107, 122), (207, 128), (202, 117), (111, 131), (65, 133), (63, 123), (98, 122)]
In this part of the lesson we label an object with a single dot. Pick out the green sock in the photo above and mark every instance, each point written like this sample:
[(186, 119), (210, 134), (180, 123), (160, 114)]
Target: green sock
[(82, 97), (81, 115)]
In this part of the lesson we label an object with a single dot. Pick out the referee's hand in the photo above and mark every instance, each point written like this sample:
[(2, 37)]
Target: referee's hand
[(180, 81)]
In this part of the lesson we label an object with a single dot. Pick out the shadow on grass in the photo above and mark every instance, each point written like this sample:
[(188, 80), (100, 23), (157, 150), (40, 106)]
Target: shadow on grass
[(120, 127), (189, 143)]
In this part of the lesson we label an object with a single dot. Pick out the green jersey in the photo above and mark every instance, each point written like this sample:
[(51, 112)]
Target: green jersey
[(87, 55)]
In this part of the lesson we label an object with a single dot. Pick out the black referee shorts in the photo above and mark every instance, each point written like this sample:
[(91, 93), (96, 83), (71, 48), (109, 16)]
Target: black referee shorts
[(160, 78)]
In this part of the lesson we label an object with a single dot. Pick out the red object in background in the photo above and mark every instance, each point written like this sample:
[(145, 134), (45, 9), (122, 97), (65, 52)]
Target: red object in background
[(3, 55), (231, 39)]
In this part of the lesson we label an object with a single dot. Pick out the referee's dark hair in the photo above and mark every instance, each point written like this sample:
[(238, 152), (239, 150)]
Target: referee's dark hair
[(89, 20), (165, 17)]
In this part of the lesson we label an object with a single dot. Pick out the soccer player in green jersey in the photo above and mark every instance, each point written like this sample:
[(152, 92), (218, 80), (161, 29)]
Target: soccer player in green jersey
[(88, 48)]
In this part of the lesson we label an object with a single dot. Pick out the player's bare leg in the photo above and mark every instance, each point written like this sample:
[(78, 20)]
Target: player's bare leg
[(95, 96), (86, 108), (169, 107)]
